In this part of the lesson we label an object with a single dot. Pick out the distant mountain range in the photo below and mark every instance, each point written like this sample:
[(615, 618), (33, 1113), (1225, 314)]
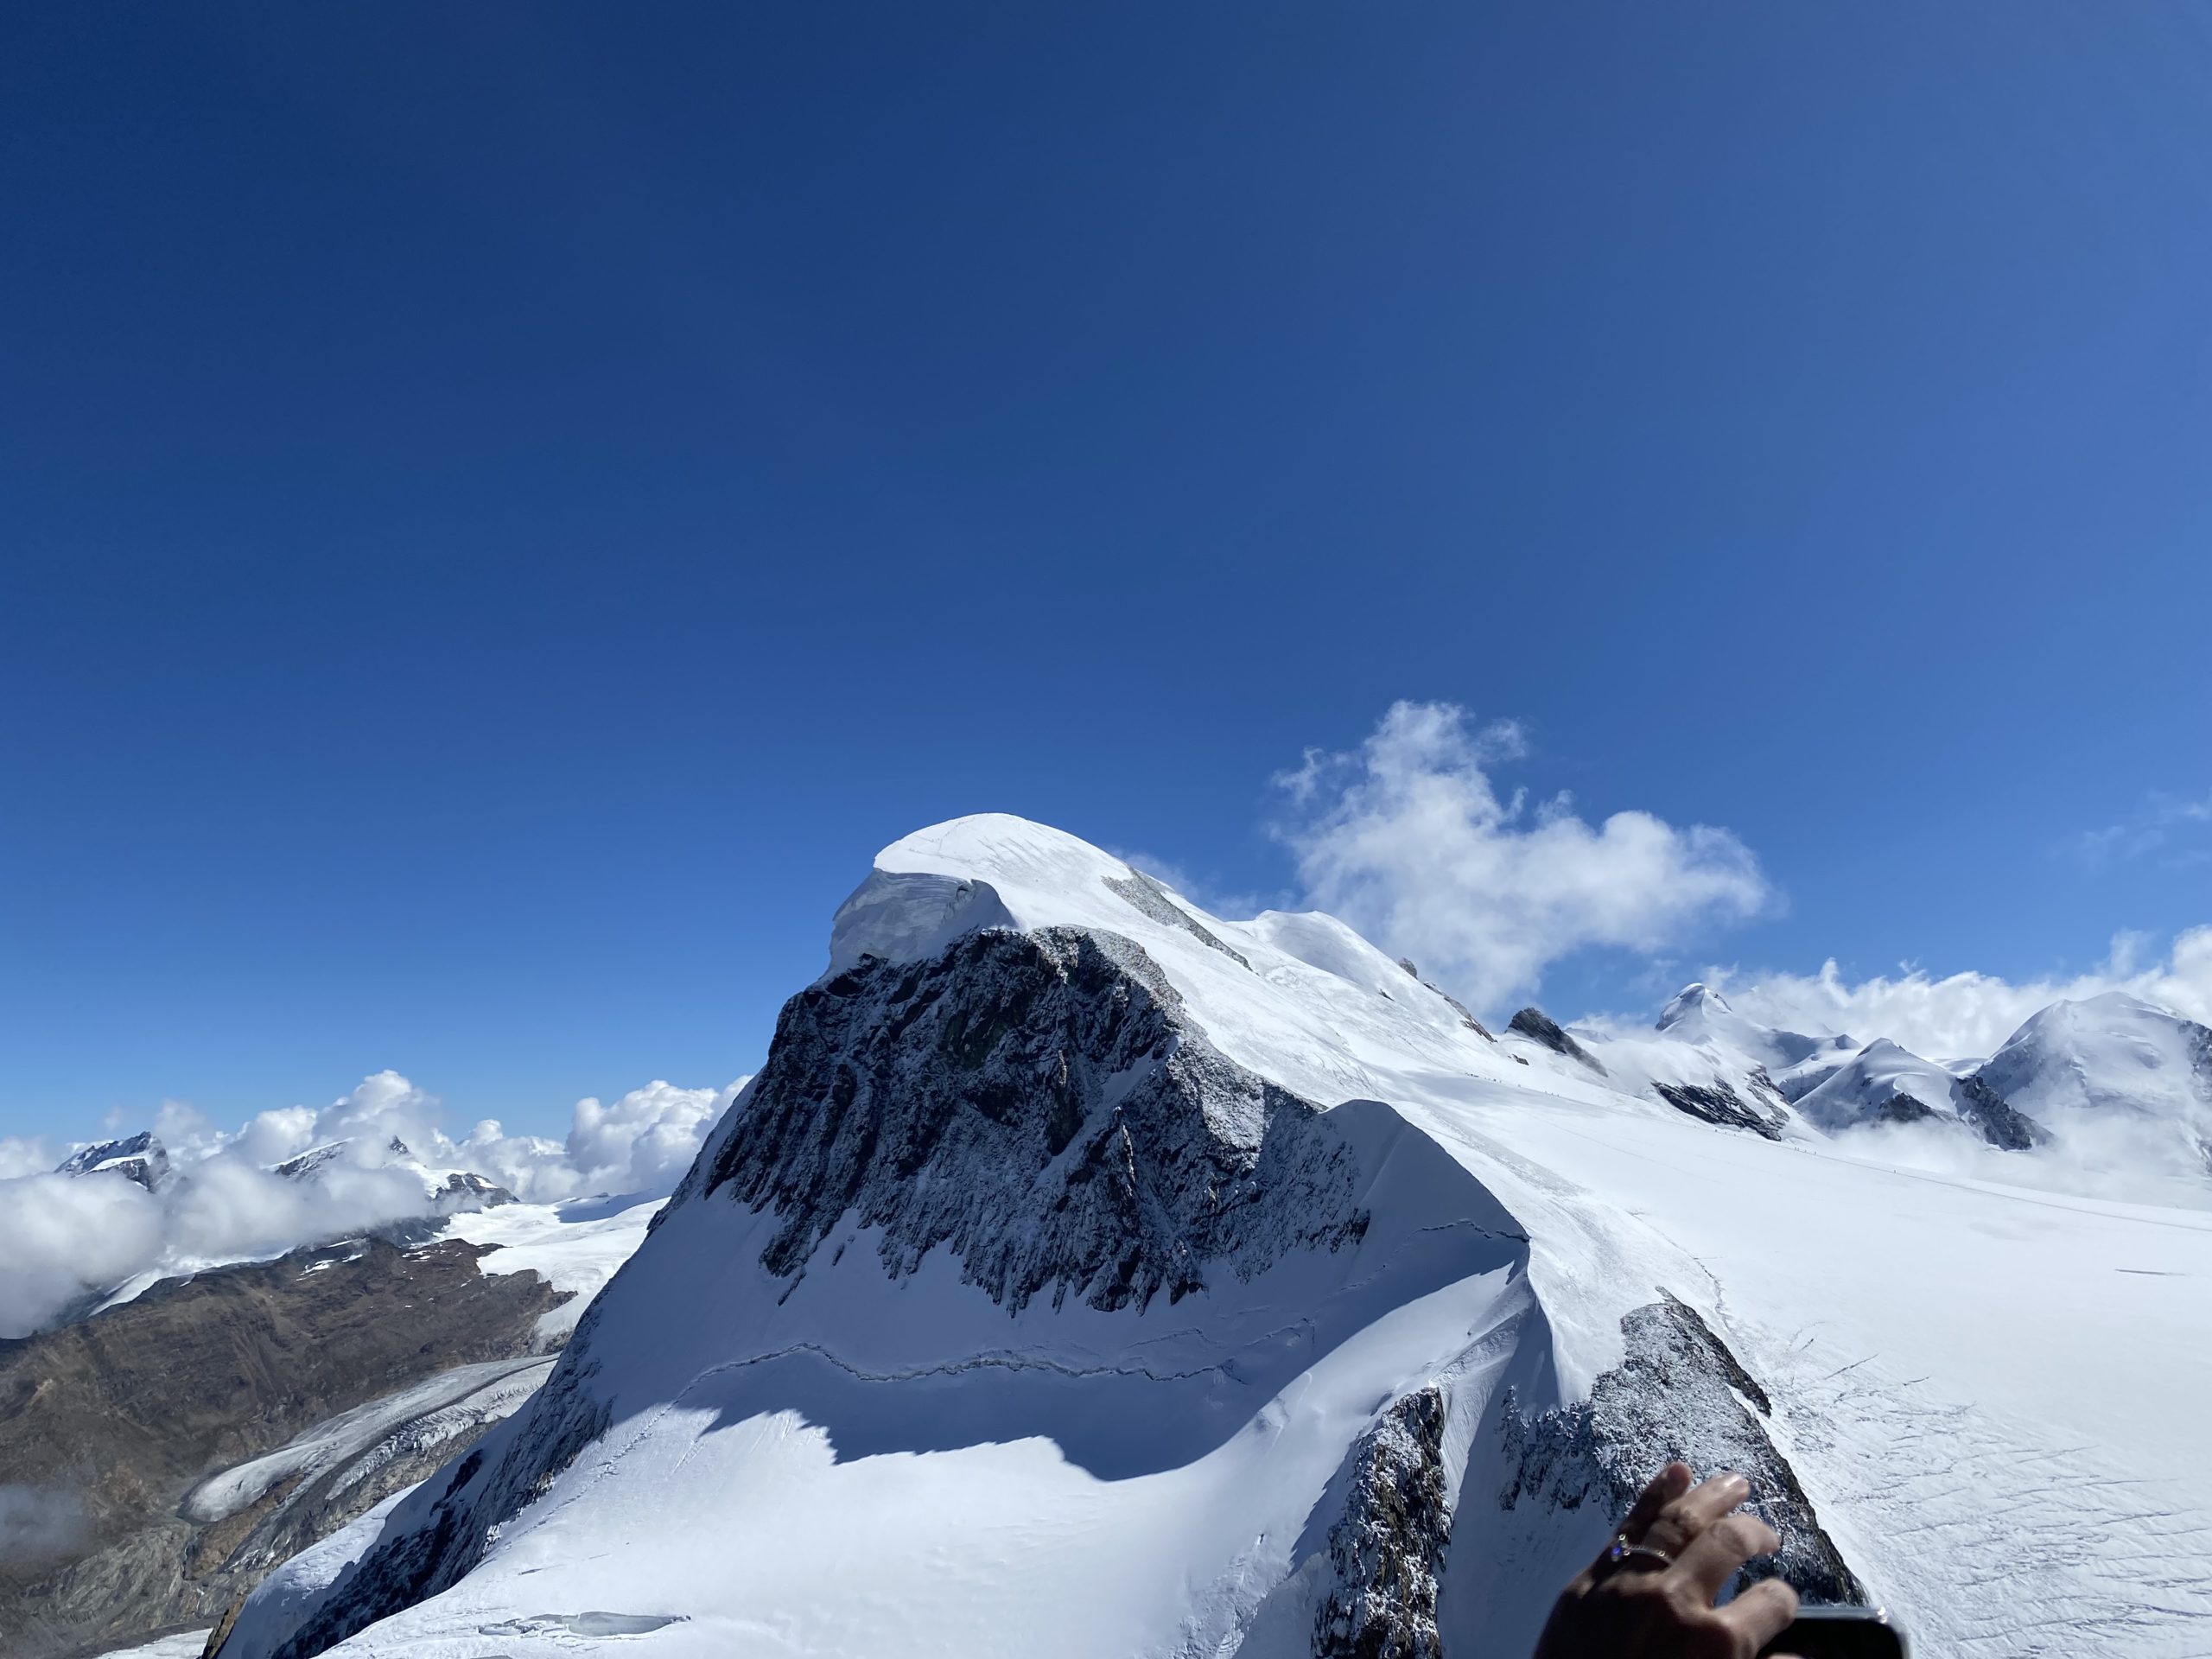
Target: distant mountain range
[(2074, 1071)]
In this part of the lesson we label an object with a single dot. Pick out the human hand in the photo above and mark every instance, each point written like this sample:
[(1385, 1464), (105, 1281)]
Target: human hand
[(1651, 1594)]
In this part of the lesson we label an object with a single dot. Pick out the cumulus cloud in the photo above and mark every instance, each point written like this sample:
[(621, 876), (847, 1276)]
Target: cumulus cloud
[(1407, 839), (61, 1237), (641, 1143), (65, 1241), (21, 1155), (1966, 1014), (646, 1141)]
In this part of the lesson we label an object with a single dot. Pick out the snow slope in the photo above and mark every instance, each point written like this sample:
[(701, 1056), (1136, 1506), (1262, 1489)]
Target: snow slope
[(576, 1246), (1074, 1286), (2113, 1068)]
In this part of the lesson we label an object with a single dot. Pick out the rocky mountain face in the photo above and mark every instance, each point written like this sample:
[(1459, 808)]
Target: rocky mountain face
[(1386, 1550), (989, 1066), (1678, 1392), (1032, 1107), (1540, 1027), (125, 1419)]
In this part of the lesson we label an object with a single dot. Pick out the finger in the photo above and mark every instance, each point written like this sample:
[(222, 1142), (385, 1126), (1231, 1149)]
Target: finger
[(1665, 1486), (1713, 1556), (1762, 1612), (1682, 1520)]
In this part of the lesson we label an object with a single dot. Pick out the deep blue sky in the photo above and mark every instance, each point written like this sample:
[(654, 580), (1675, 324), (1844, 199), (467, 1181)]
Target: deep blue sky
[(507, 506)]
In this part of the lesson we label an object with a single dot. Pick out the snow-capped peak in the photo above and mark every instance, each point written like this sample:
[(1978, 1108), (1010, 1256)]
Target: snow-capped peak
[(2113, 1064), (1697, 1013), (1694, 997), (141, 1157)]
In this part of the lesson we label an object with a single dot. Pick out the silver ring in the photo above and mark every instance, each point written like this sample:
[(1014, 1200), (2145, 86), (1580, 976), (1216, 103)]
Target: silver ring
[(1623, 1553)]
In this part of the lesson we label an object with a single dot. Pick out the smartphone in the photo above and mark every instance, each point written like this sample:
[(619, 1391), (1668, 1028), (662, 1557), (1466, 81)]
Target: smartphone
[(1840, 1633)]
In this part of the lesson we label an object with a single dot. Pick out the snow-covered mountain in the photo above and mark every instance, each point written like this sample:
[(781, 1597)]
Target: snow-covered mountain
[(1883, 1083), (140, 1158), (2112, 1065), (1702, 1058), (1086, 1274), (445, 1191), (1697, 1013)]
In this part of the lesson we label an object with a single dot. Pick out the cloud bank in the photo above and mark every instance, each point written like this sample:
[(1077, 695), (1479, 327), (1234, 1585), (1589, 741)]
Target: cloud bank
[(1407, 839), (65, 1241), (1968, 1014)]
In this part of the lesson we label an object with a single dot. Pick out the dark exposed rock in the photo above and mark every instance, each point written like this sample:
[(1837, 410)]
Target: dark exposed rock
[(2000, 1125), (1465, 1019), (1540, 1027), (1387, 1549), (465, 1190), (1083, 1139), (1451, 1001), (1903, 1109), (1678, 1392), (128, 1410), (1153, 900), (1716, 1102)]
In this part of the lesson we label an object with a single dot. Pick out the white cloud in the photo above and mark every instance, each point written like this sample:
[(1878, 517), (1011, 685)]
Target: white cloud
[(1408, 840), (271, 1137), (37, 1524), (646, 1141), (1966, 1014), (19, 1155), (2162, 821), (63, 1238)]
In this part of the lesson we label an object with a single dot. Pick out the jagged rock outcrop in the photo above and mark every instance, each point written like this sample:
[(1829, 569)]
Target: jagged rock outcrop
[(1451, 1001), (1385, 1550), (2000, 1125), (1084, 1140), (1153, 900), (1678, 1392), (1717, 1103), (127, 1412), (1540, 1027)]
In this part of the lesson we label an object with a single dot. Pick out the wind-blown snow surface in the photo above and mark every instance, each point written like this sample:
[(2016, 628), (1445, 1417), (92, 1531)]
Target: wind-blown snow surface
[(1001, 1385)]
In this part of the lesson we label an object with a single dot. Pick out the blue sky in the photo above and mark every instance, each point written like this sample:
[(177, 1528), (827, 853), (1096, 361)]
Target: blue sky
[(507, 507)]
